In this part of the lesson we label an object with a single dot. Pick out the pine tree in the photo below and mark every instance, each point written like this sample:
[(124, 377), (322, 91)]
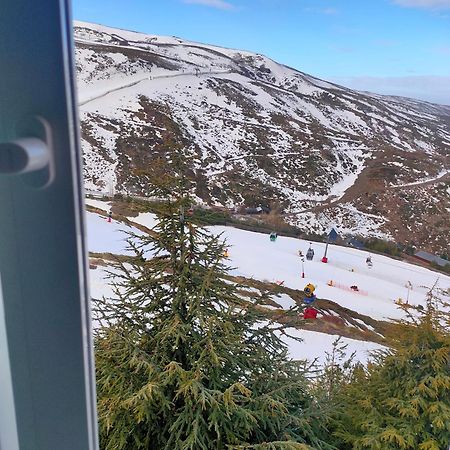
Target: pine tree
[(403, 400), (184, 362), (335, 373)]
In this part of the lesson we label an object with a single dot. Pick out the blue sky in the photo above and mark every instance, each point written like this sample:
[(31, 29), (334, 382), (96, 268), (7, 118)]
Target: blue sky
[(389, 46)]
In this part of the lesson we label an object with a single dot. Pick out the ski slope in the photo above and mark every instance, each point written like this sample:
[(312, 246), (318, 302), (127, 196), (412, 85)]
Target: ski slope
[(108, 237), (253, 255)]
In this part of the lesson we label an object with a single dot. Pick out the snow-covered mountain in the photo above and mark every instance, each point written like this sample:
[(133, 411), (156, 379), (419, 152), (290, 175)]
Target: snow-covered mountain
[(259, 132)]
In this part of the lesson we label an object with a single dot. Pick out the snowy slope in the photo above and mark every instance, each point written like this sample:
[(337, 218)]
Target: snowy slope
[(258, 132), (315, 345), (253, 255), (105, 237)]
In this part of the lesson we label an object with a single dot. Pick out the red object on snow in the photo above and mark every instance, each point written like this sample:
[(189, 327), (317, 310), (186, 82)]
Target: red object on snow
[(325, 259), (310, 313)]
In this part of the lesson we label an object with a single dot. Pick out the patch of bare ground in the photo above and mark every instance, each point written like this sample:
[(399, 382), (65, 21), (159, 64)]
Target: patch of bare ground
[(334, 318), (96, 260), (105, 259), (130, 208), (135, 55)]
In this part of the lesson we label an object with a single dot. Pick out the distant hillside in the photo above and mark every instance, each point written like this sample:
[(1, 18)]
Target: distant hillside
[(261, 133)]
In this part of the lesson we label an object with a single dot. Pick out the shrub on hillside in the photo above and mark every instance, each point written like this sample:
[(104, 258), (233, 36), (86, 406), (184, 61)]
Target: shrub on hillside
[(402, 401), (445, 268), (211, 217), (382, 246)]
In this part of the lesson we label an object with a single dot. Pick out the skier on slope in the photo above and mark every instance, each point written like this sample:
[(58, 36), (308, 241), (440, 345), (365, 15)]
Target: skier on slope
[(273, 236), (369, 261), (310, 254)]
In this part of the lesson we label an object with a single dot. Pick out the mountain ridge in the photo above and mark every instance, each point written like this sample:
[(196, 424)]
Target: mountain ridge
[(261, 133)]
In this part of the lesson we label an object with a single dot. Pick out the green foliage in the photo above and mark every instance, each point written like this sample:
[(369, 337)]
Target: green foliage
[(436, 266), (211, 217), (185, 363), (336, 371), (386, 247), (403, 400)]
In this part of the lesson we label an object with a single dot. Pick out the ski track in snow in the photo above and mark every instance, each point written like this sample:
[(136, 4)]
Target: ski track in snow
[(129, 84), (440, 176)]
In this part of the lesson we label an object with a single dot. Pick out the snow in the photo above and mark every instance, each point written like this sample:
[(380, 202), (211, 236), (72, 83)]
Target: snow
[(254, 256), (99, 283), (100, 204), (284, 301), (346, 218), (149, 220), (315, 345), (108, 31), (357, 157), (108, 237)]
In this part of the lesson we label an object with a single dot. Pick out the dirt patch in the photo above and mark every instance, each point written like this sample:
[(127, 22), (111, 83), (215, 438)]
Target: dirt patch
[(333, 318)]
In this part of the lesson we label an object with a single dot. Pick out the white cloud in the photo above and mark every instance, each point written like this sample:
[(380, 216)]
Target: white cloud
[(430, 4), (435, 89), (219, 4)]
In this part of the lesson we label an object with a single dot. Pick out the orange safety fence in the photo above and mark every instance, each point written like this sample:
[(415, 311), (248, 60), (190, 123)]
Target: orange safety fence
[(347, 288)]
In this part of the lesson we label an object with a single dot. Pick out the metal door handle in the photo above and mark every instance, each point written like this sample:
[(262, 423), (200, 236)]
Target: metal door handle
[(31, 153), (23, 155)]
